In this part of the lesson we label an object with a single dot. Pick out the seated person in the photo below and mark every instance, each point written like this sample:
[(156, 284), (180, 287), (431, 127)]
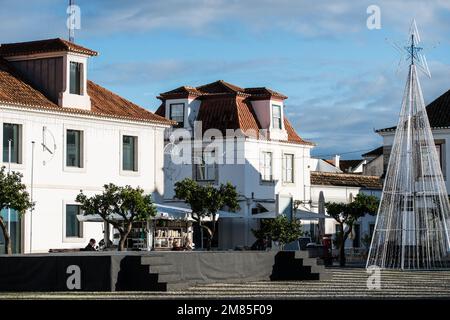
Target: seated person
[(176, 246), (188, 245), (90, 246)]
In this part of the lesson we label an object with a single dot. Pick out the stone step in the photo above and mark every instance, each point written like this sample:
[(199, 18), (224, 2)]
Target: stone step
[(163, 268), (168, 277), (154, 260)]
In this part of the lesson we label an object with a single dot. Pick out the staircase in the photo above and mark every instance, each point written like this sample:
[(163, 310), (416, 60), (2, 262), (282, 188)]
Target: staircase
[(165, 271), (344, 284), (297, 265), (281, 266)]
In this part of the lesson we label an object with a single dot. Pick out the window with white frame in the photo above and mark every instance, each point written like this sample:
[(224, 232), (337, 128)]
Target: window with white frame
[(177, 114), (73, 226), (276, 116), (74, 148), (12, 144), (266, 166), (288, 168), (205, 169), (129, 153)]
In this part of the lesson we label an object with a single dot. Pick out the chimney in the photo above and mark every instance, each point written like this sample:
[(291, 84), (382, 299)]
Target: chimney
[(336, 161)]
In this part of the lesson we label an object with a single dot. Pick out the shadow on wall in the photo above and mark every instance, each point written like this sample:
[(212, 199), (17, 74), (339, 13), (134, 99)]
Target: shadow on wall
[(287, 267), (133, 276)]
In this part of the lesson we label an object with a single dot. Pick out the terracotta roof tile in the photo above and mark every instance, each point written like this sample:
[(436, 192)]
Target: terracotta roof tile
[(264, 92), (220, 86), (226, 106), (182, 91), (43, 46), (106, 102), (292, 134), (346, 179), (15, 90)]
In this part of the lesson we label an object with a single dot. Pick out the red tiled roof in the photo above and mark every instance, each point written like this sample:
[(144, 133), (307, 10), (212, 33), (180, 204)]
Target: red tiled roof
[(264, 93), (182, 91), (223, 87), (292, 134), (16, 91), (106, 102), (220, 86), (43, 46), (346, 179), (226, 106)]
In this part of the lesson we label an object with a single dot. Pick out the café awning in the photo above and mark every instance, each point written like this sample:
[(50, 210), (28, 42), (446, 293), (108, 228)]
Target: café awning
[(163, 212)]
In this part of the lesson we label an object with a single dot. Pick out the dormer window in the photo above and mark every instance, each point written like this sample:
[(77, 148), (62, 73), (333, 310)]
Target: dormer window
[(276, 117), (76, 77), (177, 114)]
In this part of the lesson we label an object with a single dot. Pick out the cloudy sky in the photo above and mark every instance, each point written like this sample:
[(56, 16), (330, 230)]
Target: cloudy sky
[(342, 79)]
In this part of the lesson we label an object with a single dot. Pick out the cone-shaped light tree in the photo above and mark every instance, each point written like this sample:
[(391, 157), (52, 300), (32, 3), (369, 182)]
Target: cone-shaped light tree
[(412, 227)]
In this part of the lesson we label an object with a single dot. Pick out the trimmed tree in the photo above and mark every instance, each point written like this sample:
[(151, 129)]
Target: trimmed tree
[(279, 229), (13, 195), (347, 214), (205, 201), (120, 207)]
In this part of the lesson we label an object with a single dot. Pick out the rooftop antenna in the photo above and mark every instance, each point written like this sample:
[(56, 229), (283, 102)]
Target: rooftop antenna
[(72, 21)]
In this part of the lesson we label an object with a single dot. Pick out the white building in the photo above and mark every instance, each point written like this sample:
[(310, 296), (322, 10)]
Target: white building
[(374, 165), (268, 160), (69, 134), (343, 188), (439, 117)]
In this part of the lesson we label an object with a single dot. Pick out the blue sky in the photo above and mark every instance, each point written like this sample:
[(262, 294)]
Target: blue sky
[(342, 79)]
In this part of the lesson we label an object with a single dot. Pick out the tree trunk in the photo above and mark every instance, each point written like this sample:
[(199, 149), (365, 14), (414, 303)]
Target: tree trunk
[(8, 248), (344, 236), (123, 237), (342, 253), (210, 236)]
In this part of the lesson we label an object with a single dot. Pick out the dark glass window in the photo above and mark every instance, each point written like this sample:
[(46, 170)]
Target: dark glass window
[(73, 228), (206, 170), (11, 132), (129, 144), (276, 116), (15, 233), (73, 148), (177, 114), (75, 77)]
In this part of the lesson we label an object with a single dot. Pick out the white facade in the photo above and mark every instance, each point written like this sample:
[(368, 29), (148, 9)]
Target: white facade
[(441, 138), (246, 164), (252, 190), (56, 185), (343, 194)]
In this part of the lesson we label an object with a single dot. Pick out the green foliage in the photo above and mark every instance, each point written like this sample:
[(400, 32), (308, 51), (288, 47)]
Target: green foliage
[(346, 214), (206, 201), (279, 229), (119, 206), (13, 195), (349, 213)]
